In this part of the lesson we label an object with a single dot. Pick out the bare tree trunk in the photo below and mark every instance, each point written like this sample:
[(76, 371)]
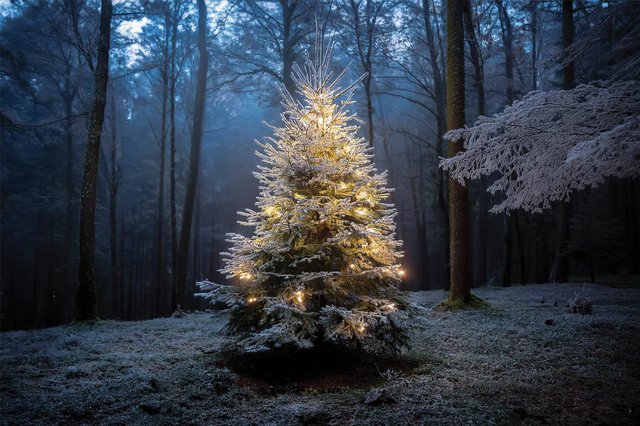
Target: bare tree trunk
[(37, 256), (288, 45), (512, 219), (69, 96), (560, 269), (507, 41), (478, 83), (366, 31), (196, 234), (439, 95), (534, 44), (159, 251), (172, 166), (194, 161), (86, 304), (113, 212), (460, 288)]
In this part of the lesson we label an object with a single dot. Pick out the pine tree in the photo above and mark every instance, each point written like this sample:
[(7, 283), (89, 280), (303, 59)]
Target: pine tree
[(320, 267)]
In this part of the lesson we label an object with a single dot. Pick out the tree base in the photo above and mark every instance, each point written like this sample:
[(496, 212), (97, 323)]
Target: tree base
[(473, 302)]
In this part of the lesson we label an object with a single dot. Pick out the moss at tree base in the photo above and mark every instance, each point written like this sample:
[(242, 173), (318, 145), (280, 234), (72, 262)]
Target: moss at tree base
[(474, 302)]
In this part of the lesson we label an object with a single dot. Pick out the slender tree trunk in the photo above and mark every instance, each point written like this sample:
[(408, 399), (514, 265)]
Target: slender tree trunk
[(122, 302), (86, 304), (35, 289), (512, 219), (560, 269), (113, 212), (567, 44), (521, 225), (70, 186), (534, 44), (507, 41), (632, 229), (460, 288), (478, 83), (172, 166), (287, 47), (159, 251), (367, 93), (196, 142), (441, 123)]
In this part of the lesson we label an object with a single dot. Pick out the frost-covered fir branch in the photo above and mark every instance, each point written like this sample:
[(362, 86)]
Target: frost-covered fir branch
[(552, 143), (321, 266)]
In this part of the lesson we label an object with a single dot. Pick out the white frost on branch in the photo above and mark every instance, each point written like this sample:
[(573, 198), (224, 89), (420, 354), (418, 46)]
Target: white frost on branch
[(552, 143)]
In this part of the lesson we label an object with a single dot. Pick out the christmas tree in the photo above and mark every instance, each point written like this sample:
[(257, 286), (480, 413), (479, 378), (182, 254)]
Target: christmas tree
[(321, 266)]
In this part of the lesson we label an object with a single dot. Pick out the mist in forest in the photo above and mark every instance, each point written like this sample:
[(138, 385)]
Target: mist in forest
[(148, 256)]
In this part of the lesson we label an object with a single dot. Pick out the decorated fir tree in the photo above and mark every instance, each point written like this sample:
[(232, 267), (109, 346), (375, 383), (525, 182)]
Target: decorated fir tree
[(321, 266)]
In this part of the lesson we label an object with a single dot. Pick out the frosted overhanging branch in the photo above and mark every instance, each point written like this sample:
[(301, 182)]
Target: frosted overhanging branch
[(552, 143)]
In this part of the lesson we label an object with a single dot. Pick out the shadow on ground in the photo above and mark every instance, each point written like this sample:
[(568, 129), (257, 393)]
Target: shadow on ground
[(322, 369)]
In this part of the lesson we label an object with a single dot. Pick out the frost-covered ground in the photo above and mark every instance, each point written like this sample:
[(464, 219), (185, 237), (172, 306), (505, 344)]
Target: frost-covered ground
[(501, 365)]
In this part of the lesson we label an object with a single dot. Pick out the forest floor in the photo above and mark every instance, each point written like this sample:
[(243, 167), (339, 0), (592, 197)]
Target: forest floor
[(523, 360)]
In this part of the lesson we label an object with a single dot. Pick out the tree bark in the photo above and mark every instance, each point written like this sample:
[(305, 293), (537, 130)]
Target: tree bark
[(460, 287), (560, 269), (478, 83), (534, 45), (512, 227), (172, 160), (86, 303), (441, 123), (288, 45), (113, 213), (159, 250), (69, 96), (194, 161)]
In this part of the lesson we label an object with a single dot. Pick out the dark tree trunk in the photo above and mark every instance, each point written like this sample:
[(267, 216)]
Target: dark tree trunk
[(159, 249), (521, 225), (476, 56), (194, 161), (560, 269), (86, 303), (113, 213), (507, 41), (172, 165), (69, 96), (567, 44), (512, 227), (534, 44), (366, 31), (478, 83), (460, 287), (508, 251), (288, 45), (441, 123), (35, 290)]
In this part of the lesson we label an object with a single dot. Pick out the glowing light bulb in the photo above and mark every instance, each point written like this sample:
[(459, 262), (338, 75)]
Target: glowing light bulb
[(352, 266), (299, 296), (272, 211), (361, 328), (245, 276), (401, 272), (252, 299)]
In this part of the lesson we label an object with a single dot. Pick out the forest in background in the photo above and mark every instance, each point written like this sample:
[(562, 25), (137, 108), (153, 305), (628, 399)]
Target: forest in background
[(48, 61)]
